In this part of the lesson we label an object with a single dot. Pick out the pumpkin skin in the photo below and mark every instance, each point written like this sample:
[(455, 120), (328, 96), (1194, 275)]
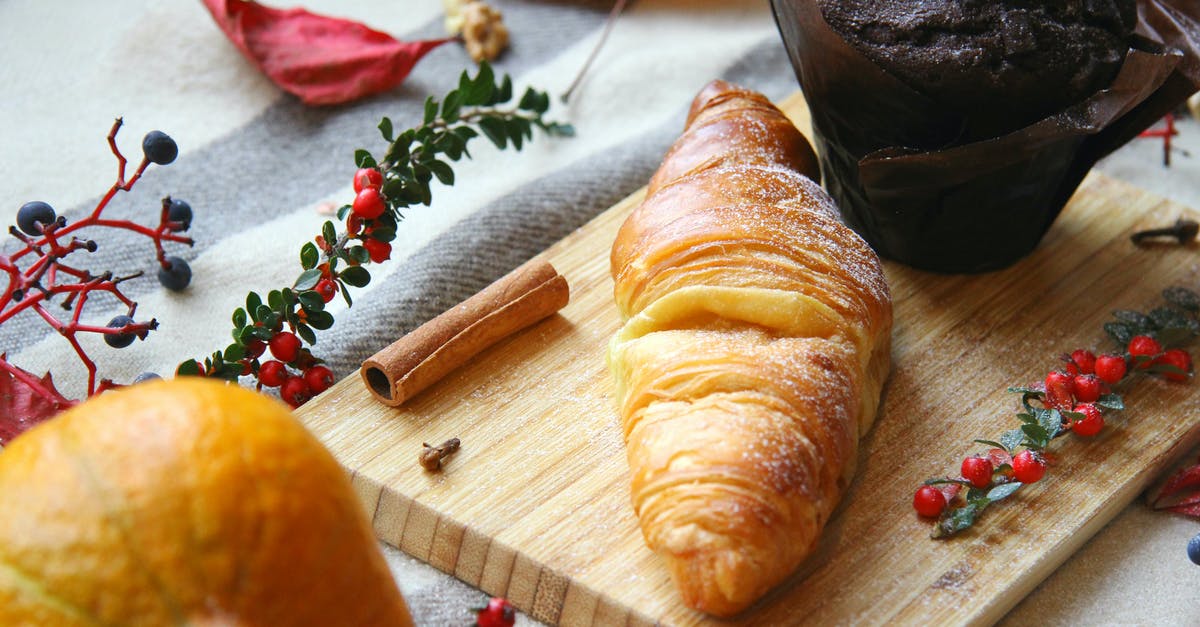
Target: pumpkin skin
[(185, 501)]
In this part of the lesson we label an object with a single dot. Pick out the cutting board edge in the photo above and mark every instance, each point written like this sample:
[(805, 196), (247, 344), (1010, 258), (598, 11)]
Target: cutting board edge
[(459, 550)]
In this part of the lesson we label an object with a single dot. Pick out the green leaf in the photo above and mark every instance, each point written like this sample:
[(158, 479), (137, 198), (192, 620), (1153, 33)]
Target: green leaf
[(357, 276), (1111, 401), (398, 154), (358, 253), (263, 313), (483, 86), (261, 333), (994, 444), (451, 106), (504, 92), (1012, 439), (345, 294), (188, 368), (442, 171), (320, 320), (385, 128), (1036, 436), (1050, 420), (431, 110), (307, 279), (253, 301), (306, 333), (1003, 491), (342, 211), (234, 352), (311, 301), (394, 188), (383, 234), (1183, 298), (239, 317), (493, 128), (1137, 319), (1120, 333), (364, 159), (529, 100), (275, 300), (464, 133), (309, 255), (1026, 390), (958, 520), (329, 232), (515, 132)]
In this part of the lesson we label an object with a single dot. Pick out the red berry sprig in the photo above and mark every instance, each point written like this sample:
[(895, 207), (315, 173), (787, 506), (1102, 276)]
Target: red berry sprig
[(498, 613), (39, 274), (1070, 399), (289, 318)]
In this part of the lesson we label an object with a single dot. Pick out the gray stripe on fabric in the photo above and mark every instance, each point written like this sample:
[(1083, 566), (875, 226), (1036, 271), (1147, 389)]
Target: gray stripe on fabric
[(288, 157), (498, 238)]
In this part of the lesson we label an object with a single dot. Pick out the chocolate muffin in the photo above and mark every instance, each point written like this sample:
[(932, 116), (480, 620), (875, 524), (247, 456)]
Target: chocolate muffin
[(1003, 64)]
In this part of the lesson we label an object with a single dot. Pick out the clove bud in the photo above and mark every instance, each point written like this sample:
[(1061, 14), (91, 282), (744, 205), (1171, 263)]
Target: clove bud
[(432, 456), (1183, 230)]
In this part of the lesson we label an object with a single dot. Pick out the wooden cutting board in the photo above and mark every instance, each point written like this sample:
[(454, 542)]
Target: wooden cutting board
[(535, 507)]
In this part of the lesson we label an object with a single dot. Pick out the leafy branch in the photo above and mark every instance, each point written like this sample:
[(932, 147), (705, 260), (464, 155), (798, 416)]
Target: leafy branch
[(337, 258)]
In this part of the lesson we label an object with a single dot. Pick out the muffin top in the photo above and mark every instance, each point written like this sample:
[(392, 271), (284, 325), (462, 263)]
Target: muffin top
[(1002, 63)]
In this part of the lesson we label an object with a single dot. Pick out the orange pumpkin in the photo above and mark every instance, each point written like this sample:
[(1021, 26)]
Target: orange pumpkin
[(185, 501)]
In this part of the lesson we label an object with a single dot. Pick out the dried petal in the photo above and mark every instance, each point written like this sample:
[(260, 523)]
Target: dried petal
[(1181, 490), (321, 59), (22, 406)]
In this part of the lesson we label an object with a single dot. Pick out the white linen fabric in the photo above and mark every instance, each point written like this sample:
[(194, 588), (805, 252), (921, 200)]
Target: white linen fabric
[(256, 167)]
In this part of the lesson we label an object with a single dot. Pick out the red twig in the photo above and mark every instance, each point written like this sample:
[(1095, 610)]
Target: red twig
[(1166, 134), (47, 277)]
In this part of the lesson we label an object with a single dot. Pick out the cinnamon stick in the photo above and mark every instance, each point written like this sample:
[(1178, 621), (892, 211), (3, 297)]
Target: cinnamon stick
[(524, 296)]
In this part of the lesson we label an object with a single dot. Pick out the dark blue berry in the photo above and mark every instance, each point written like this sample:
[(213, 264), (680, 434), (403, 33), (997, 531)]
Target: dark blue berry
[(32, 213), (159, 148), (119, 340), (176, 276), (1194, 549), (146, 376), (180, 212)]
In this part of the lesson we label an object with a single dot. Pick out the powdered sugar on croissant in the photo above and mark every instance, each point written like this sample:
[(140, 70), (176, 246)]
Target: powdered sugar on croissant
[(755, 346)]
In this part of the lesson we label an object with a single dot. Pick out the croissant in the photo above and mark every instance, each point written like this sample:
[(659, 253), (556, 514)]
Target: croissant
[(755, 345)]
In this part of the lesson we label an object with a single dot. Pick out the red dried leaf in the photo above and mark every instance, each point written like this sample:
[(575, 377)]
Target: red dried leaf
[(321, 59), (23, 405), (1180, 493)]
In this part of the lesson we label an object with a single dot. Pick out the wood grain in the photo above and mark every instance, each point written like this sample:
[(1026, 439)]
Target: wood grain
[(535, 507)]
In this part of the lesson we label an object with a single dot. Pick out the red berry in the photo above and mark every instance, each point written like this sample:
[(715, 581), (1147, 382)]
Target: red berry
[(326, 288), (255, 348), (379, 251), (318, 378), (1028, 466), (1091, 423), (295, 391), (1084, 360), (1176, 358), (285, 346), (1060, 389), (1110, 368), (929, 501), (272, 373), (368, 204), (1088, 388), (367, 177), (1143, 346), (977, 470), (498, 613)]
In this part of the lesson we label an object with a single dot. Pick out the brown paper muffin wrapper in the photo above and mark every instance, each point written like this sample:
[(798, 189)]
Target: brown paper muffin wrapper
[(978, 206)]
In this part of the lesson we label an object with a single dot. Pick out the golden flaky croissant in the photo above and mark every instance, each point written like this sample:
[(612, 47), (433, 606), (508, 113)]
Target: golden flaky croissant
[(756, 342)]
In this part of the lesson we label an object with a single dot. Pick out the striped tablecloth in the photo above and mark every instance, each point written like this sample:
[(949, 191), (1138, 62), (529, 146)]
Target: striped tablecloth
[(257, 167)]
